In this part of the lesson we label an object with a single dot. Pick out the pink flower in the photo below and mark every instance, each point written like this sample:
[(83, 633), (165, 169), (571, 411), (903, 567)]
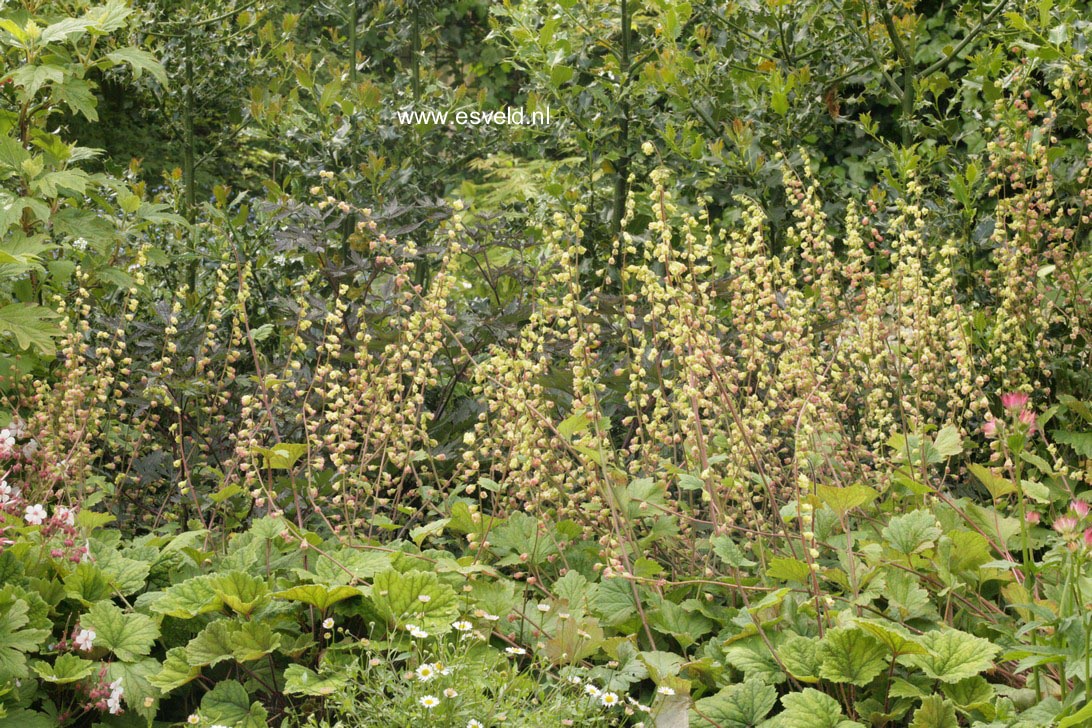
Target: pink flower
[(989, 428), (85, 640), (1088, 538), (1080, 508), (1014, 400), (1028, 418), (1065, 524), (1032, 517), (35, 515)]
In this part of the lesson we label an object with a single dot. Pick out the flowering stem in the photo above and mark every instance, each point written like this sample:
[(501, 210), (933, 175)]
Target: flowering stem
[(1029, 564)]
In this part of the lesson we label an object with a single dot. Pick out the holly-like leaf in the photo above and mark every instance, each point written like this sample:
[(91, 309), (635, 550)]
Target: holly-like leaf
[(415, 597), (736, 706), (67, 668), (912, 532), (128, 635), (298, 680), (952, 655), (850, 655)]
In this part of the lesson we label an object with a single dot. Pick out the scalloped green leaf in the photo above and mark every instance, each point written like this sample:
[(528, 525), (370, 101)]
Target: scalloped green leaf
[(87, 584), (282, 456), (240, 591), (912, 532), (175, 672), (784, 569), (842, 500), (972, 693), (415, 597), (141, 697), (800, 656), (126, 576), (298, 680), (67, 668), (935, 712), (896, 639), (229, 704), (212, 645), (736, 706), (15, 638), (31, 325), (813, 709), (253, 640), (189, 598), (952, 655), (753, 659), (850, 655), (730, 552), (129, 635), (347, 565), (317, 595)]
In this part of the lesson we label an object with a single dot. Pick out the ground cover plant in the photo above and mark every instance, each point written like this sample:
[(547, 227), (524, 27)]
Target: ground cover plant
[(751, 389)]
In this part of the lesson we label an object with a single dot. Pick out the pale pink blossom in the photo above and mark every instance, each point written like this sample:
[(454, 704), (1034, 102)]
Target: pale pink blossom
[(7, 443), (8, 493), (1080, 508), (113, 703), (1032, 517), (989, 428), (85, 640), (35, 514)]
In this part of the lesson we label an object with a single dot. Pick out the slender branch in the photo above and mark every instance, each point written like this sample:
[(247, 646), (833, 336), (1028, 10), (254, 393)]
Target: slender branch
[(975, 32)]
